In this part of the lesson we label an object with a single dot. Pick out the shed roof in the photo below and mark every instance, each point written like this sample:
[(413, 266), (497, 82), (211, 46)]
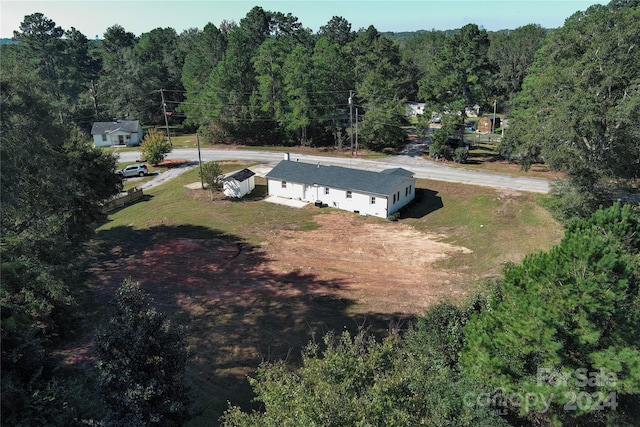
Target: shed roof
[(383, 183), (130, 126), (241, 175)]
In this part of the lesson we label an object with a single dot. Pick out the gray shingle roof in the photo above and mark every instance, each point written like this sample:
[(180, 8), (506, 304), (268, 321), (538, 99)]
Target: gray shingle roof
[(130, 126), (382, 183), (241, 175)]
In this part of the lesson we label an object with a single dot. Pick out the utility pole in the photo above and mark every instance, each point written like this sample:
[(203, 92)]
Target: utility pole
[(493, 121), (166, 120), (200, 161), (356, 132), (351, 92)]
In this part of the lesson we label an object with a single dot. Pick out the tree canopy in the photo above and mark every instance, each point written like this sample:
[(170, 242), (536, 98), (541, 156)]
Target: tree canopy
[(578, 107), (53, 183), (141, 363)]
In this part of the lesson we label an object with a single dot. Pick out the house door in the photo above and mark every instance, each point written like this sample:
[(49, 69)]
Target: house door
[(310, 193), (121, 139)]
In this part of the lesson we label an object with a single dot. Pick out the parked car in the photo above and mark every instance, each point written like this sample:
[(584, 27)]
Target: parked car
[(136, 169)]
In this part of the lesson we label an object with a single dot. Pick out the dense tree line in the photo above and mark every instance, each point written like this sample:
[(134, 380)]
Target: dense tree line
[(52, 184), (268, 80), (578, 107)]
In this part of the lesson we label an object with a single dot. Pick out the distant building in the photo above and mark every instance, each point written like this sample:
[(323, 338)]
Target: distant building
[(117, 132), (415, 108), (488, 124)]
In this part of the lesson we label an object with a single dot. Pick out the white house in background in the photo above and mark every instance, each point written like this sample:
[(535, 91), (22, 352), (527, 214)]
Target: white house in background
[(238, 184), (415, 108), (118, 132), (365, 192)]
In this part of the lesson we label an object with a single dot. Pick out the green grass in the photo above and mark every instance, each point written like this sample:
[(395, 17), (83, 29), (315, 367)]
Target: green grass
[(497, 227), (173, 204)]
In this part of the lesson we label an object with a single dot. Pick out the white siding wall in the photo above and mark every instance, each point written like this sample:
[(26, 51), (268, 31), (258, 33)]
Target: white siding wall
[(233, 188), (337, 198), (358, 202), (114, 139), (291, 191), (404, 194), (98, 142)]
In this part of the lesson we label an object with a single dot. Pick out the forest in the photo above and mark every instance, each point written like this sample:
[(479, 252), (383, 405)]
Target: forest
[(553, 341)]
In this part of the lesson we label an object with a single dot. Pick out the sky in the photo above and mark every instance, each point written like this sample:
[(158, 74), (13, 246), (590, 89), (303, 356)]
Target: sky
[(93, 17)]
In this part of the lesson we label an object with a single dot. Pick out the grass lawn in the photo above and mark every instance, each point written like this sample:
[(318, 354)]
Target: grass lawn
[(497, 226), (225, 329)]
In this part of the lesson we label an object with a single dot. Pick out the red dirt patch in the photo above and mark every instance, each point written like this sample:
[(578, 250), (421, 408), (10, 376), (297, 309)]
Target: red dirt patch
[(381, 267)]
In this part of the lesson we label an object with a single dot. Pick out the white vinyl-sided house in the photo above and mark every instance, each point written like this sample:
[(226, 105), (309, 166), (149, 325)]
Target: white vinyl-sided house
[(365, 192), (117, 132), (238, 184)]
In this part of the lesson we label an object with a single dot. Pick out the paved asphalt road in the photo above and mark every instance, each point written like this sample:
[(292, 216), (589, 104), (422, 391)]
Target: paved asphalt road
[(420, 167)]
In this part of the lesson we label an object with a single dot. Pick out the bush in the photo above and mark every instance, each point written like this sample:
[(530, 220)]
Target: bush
[(440, 151), (211, 174), (460, 155), (155, 147), (141, 359)]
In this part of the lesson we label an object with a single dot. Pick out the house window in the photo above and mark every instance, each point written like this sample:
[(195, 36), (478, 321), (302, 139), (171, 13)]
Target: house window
[(104, 136), (284, 184), (348, 194), (394, 198), (373, 200), (326, 190), (406, 192)]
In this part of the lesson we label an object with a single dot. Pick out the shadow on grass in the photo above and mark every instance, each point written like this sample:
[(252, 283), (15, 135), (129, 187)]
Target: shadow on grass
[(258, 193), (477, 159), (145, 198), (425, 202), (238, 311)]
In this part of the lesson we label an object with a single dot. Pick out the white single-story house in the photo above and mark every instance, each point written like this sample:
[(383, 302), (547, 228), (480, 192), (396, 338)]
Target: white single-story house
[(365, 192), (117, 132), (415, 108), (238, 184)]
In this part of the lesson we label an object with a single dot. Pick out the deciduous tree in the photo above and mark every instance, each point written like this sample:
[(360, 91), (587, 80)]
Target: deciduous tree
[(155, 147), (578, 108), (212, 175), (511, 54), (141, 364)]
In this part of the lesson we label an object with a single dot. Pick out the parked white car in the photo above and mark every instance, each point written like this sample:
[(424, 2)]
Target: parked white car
[(136, 169)]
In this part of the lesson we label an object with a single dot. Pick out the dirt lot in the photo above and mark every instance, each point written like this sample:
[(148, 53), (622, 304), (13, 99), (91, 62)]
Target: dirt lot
[(379, 267), (247, 304), (387, 268)]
